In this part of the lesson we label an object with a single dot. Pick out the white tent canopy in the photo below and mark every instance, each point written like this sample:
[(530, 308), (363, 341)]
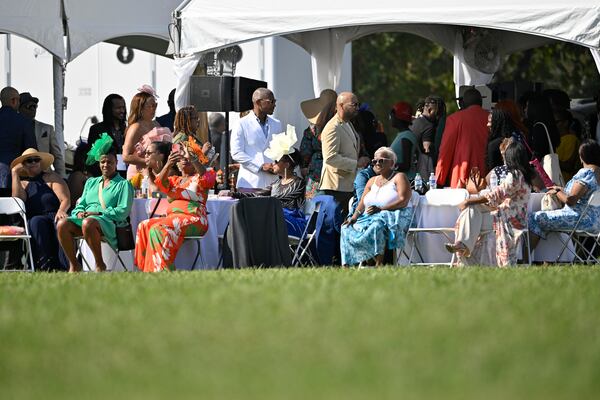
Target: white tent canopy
[(323, 28), (66, 28)]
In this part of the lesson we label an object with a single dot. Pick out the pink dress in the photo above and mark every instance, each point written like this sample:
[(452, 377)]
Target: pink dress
[(158, 134)]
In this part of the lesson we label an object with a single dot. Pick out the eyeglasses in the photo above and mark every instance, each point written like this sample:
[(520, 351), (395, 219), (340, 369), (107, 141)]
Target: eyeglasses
[(32, 160), (270, 101), (151, 105), (149, 153), (354, 105), (380, 161)]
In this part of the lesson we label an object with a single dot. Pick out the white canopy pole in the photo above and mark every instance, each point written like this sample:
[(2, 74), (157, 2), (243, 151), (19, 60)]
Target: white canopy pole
[(464, 74), (184, 69), (58, 73), (596, 54)]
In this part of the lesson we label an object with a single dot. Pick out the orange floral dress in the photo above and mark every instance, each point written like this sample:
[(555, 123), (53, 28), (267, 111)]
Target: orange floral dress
[(159, 239)]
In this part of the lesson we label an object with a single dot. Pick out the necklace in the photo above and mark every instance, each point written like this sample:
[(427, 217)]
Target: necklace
[(386, 180)]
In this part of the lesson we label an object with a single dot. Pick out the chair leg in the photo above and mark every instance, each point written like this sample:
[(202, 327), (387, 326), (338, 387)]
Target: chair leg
[(29, 253)]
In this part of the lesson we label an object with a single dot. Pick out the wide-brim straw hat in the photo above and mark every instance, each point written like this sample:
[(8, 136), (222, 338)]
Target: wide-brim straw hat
[(46, 158), (313, 108)]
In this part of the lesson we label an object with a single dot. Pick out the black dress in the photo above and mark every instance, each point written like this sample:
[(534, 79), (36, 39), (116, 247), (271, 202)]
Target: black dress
[(41, 206)]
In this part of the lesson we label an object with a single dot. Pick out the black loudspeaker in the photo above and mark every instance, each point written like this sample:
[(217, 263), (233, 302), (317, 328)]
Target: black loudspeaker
[(242, 92), (223, 93), (211, 93)]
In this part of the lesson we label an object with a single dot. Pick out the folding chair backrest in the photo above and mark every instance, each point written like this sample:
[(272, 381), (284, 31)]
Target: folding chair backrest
[(415, 199), (446, 197), (312, 220), (594, 200), (12, 205)]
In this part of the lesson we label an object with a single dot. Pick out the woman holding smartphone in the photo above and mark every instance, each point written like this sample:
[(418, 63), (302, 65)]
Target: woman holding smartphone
[(105, 204)]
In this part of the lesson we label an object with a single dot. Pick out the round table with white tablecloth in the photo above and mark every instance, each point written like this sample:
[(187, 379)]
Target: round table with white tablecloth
[(218, 217)]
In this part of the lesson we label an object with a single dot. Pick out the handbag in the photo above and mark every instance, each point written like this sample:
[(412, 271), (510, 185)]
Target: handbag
[(124, 233), (551, 162), (537, 165), (550, 202)]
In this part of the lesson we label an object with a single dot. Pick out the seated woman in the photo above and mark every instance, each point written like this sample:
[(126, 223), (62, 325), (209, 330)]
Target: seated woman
[(47, 200), (504, 209), (105, 204), (159, 239), (574, 197), (289, 189), (382, 216)]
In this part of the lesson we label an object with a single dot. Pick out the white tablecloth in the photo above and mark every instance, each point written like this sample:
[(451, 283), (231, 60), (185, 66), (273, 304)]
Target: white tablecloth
[(218, 218), (432, 249)]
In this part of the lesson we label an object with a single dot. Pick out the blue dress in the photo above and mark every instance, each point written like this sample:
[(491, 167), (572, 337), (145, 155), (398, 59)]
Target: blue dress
[(371, 234), (541, 222)]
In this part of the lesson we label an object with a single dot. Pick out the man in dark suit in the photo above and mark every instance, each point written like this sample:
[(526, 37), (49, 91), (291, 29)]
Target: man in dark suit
[(167, 120), (16, 135)]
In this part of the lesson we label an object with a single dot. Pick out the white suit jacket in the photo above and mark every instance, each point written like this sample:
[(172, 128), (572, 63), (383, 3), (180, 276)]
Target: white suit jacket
[(248, 142), (49, 142)]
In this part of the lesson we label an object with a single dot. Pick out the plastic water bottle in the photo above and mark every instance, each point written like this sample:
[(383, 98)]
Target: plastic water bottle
[(432, 182), (145, 187), (418, 183), (493, 181)]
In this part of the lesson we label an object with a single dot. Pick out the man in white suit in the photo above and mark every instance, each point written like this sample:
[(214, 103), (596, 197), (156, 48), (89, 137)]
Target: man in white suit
[(251, 137), (47, 140)]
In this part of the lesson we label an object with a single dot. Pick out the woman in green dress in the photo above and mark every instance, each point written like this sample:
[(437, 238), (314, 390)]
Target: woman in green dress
[(105, 204)]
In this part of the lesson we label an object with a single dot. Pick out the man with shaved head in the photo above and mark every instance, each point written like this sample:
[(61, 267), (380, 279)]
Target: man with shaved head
[(16, 135), (340, 144), (251, 137)]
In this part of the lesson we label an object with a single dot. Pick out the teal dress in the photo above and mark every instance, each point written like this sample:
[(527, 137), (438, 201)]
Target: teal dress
[(118, 198)]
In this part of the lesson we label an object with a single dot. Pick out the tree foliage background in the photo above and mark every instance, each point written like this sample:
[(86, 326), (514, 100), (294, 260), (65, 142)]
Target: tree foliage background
[(389, 67)]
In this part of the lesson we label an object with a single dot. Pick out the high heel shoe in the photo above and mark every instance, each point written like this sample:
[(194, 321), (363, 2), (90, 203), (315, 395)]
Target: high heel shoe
[(457, 248)]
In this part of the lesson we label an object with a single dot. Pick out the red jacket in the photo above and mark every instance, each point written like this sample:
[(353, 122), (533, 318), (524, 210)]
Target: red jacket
[(464, 145)]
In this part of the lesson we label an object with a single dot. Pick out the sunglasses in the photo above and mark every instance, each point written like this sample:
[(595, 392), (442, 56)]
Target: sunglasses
[(379, 161), (31, 107), (32, 160)]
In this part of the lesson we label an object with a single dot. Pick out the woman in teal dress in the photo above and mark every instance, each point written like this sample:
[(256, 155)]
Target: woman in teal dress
[(105, 204)]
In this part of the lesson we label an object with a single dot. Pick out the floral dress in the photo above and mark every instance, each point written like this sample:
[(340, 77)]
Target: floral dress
[(312, 158), (510, 198), (565, 218), (159, 239)]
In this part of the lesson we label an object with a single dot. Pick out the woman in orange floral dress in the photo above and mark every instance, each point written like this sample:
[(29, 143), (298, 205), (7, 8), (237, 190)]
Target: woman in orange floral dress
[(159, 239)]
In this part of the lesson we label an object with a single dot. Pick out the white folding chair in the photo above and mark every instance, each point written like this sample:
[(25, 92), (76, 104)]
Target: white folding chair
[(436, 198), (415, 199), (579, 237), (79, 240), (15, 206)]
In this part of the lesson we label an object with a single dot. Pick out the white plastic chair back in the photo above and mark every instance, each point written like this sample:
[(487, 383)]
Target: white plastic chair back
[(446, 197), (594, 200), (12, 205)]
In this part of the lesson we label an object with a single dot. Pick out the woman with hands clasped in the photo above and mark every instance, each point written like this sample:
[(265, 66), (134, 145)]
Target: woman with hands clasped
[(382, 216), (159, 239), (105, 204), (47, 200)]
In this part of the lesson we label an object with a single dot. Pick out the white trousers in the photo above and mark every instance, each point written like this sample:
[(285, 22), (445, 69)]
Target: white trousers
[(471, 221)]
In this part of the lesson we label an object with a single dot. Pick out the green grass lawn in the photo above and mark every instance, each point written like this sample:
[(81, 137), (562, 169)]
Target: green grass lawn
[(303, 334)]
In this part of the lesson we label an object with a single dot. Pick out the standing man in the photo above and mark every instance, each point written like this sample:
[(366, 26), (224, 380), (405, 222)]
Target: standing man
[(45, 136), (167, 120), (424, 127), (16, 136), (216, 127), (340, 145), (464, 143), (251, 137)]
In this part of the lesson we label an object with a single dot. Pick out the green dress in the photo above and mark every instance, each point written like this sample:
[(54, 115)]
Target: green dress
[(118, 198)]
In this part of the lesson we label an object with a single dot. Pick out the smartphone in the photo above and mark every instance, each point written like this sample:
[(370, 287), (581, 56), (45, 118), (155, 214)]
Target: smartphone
[(176, 148), (213, 158)]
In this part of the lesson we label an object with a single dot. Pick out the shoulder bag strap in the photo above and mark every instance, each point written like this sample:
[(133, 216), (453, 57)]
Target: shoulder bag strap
[(547, 136), (100, 194)]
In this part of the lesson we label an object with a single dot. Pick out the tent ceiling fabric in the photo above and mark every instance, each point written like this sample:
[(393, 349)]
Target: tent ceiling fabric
[(91, 22), (37, 20), (211, 25)]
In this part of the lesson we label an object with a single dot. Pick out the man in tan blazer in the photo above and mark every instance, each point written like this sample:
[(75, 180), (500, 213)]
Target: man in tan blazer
[(47, 139), (340, 145)]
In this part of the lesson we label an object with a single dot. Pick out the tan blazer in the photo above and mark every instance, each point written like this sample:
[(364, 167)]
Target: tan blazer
[(49, 142), (340, 144)]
